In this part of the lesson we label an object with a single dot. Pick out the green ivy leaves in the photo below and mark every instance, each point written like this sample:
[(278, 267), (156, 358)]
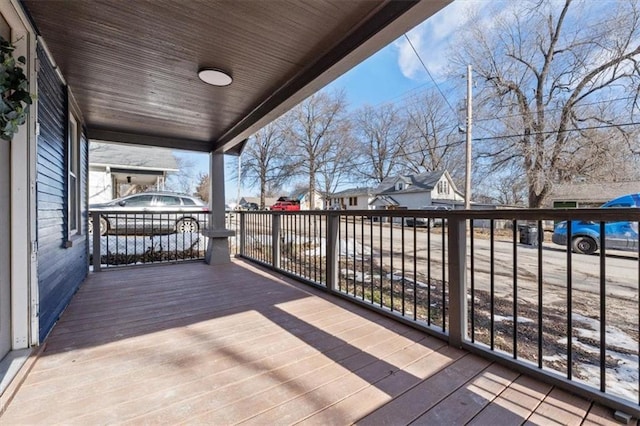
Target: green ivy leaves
[(14, 89)]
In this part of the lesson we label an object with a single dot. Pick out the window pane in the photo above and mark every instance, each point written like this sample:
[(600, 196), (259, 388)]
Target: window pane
[(73, 203), (188, 202), (139, 201), (166, 200)]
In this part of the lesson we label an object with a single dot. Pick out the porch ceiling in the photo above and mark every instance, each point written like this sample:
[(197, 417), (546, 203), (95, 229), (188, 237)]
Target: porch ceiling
[(132, 66)]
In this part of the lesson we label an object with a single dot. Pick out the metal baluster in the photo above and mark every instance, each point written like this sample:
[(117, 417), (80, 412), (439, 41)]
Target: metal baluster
[(362, 254), (403, 271), (473, 283), (492, 283), (569, 307), (603, 309), (515, 289), (415, 271), (381, 259), (429, 222), (371, 255), (444, 269), (391, 261), (540, 282)]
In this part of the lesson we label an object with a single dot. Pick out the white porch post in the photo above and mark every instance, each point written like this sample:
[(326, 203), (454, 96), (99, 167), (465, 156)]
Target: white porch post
[(218, 244)]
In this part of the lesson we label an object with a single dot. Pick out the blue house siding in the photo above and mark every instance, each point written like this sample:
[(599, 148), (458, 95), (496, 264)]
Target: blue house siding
[(61, 270)]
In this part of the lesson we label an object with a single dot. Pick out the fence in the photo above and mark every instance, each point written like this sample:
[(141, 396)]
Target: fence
[(143, 237), (504, 292)]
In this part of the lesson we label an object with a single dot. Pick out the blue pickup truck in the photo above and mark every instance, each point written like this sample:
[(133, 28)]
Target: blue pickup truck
[(585, 235)]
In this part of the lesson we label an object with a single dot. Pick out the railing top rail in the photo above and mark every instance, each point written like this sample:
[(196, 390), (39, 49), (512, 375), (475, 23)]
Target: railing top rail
[(152, 210), (597, 214)]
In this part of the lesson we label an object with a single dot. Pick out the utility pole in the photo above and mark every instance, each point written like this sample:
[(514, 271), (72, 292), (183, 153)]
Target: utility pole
[(467, 189)]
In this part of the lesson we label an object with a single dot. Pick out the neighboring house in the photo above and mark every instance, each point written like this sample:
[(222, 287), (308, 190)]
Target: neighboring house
[(303, 195), (416, 191), (351, 199), (586, 195), (115, 168)]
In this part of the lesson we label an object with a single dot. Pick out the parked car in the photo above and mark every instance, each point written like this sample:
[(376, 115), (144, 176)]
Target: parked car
[(249, 206), (585, 235), (286, 206), (157, 212), (423, 221)]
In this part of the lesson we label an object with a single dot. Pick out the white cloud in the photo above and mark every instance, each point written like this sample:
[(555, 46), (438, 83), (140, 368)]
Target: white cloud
[(430, 39)]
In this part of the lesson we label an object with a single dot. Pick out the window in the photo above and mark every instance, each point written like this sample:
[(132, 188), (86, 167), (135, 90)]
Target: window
[(140, 201), (443, 187), (189, 202), (167, 200), (399, 186), (73, 168), (353, 201)]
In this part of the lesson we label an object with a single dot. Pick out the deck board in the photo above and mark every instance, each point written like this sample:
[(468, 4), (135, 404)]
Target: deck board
[(230, 344)]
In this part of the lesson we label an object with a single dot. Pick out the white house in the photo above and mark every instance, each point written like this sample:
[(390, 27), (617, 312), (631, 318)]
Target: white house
[(416, 191), (304, 196), (351, 199), (114, 168)]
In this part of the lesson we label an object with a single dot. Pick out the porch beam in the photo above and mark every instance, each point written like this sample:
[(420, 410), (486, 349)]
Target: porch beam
[(148, 140)]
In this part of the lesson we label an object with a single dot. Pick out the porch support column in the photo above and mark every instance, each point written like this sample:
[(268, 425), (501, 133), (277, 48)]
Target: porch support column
[(218, 244)]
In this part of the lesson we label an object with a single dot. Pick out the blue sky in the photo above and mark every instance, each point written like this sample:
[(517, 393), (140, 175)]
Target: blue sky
[(387, 76)]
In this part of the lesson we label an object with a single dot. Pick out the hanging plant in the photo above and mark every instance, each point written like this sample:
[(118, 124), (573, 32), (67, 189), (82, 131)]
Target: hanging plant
[(14, 88)]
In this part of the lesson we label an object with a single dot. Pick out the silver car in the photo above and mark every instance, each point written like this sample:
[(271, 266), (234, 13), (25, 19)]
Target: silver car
[(151, 213)]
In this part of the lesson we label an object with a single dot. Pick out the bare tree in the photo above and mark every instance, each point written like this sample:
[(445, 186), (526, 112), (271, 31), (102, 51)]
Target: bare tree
[(311, 129), (182, 180), (539, 67), (435, 143), (203, 187), (382, 134), (266, 161), (339, 163)]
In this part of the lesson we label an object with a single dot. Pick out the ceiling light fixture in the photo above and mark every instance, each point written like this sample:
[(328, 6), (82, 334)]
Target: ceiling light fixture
[(215, 77)]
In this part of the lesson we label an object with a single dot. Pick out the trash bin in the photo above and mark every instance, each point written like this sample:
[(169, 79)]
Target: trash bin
[(528, 235)]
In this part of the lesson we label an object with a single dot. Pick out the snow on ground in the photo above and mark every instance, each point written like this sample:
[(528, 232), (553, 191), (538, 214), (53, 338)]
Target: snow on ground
[(521, 320), (614, 336), (313, 246), (132, 245), (621, 380)]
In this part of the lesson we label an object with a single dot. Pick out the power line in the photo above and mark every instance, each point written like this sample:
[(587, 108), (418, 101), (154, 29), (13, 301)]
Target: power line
[(604, 126), (557, 109), (430, 76)]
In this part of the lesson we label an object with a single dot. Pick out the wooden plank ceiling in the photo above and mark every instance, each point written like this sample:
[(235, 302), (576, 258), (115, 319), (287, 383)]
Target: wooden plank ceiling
[(132, 65)]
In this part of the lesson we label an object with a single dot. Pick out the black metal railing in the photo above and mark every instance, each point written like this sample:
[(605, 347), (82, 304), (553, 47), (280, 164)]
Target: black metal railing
[(143, 237), (487, 281)]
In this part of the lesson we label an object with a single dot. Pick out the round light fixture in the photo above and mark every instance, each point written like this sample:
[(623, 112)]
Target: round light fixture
[(215, 77)]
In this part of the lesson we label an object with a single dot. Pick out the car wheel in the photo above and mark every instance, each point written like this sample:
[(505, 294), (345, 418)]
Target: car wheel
[(584, 245), (187, 225), (104, 226)]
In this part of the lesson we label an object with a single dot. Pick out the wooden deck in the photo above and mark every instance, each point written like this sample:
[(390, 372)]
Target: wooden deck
[(198, 344)]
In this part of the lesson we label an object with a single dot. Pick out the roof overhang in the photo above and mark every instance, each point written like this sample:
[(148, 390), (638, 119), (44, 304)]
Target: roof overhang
[(132, 66)]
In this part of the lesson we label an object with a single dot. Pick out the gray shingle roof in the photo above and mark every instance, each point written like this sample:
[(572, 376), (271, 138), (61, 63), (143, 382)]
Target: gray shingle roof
[(593, 192), (417, 183), (131, 156), (352, 192)]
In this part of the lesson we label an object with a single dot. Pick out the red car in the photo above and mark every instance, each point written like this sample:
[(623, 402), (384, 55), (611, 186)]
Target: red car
[(286, 206)]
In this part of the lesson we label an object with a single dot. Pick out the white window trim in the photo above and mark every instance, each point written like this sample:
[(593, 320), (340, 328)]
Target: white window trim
[(73, 180)]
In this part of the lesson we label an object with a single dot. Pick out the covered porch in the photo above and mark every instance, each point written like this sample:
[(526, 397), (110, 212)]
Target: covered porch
[(237, 344)]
